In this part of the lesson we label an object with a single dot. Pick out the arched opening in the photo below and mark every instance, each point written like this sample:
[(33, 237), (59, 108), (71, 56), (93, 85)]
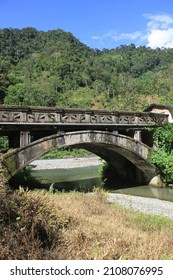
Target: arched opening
[(128, 156)]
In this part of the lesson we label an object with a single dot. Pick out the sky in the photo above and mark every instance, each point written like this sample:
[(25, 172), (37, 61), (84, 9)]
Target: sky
[(97, 23)]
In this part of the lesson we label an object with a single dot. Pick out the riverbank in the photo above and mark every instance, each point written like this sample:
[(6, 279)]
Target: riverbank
[(137, 203), (66, 163), (146, 205)]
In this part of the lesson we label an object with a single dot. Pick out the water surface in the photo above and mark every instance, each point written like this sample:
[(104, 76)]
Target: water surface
[(85, 178)]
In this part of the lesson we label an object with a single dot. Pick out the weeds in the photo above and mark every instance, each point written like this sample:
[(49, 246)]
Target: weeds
[(100, 194), (151, 222)]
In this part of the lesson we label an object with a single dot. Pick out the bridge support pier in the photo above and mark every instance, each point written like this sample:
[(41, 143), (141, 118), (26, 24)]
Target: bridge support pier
[(137, 135), (25, 138), (19, 139)]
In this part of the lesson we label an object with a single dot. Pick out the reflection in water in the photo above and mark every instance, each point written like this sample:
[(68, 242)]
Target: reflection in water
[(84, 179)]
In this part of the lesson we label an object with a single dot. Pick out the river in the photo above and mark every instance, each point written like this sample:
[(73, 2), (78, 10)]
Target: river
[(86, 177), (82, 179)]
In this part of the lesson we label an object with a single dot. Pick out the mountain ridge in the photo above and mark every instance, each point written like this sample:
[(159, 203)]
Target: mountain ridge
[(53, 68)]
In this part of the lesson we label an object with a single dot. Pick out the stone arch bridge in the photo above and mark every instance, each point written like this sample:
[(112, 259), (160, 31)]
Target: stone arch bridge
[(120, 138)]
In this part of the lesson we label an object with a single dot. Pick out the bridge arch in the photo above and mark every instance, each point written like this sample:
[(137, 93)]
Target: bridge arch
[(118, 150)]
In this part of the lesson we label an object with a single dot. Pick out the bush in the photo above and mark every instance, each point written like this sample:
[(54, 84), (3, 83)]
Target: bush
[(162, 157)]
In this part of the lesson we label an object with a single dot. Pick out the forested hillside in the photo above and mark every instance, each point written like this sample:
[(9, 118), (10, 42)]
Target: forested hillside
[(55, 69)]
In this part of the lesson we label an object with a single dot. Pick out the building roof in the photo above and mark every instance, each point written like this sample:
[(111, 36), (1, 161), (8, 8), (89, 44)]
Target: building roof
[(159, 106)]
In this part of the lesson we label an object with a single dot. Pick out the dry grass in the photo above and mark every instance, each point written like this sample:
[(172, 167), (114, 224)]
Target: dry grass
[(29, 226), (76, 226), (98, 230)]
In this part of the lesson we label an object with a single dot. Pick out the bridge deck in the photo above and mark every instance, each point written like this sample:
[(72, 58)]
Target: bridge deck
[(13, 117)]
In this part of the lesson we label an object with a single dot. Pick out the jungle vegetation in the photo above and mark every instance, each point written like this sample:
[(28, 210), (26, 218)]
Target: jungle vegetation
[(54, 68)]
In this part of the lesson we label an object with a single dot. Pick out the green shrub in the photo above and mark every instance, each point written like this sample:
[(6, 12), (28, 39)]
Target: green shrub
[(162, 157)]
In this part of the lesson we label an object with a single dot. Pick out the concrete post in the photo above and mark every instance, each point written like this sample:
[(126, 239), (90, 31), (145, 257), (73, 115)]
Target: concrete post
[(137, 135), (25, 138), (115, 132), (87, 116)]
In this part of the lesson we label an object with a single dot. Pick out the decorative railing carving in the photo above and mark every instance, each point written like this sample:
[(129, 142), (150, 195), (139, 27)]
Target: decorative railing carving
[(46, 115)]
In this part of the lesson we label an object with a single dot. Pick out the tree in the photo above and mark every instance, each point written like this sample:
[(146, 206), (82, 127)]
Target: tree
[(4, 79), (162, 157)]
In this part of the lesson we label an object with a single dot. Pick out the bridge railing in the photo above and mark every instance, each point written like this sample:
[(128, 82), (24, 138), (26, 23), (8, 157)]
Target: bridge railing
[(48, 115)]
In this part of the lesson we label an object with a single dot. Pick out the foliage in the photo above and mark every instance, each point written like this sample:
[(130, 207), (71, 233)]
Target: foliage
[(163, 155), (4, 145), (66, 152), (55, 69)]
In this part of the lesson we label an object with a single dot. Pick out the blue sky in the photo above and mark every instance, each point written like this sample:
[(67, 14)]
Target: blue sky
[(97, 23)]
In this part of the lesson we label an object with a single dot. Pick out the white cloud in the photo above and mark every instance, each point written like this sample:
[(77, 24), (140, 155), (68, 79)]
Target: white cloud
[(157, 34), (128, 36), (115, 36), (161, 21), (96, 37), (160, 31), (160, 38)]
